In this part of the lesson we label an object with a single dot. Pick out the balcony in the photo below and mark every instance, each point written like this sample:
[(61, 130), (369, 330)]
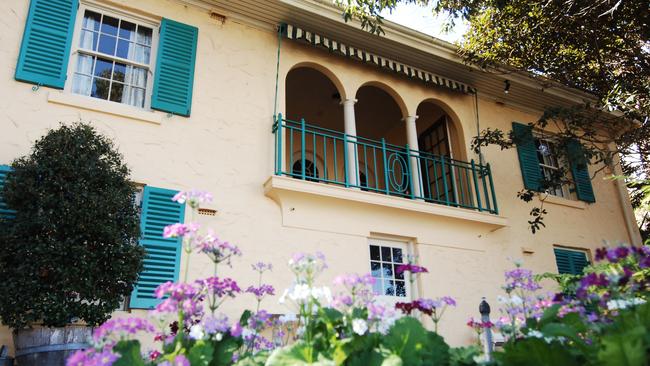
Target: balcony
[(317, 154)]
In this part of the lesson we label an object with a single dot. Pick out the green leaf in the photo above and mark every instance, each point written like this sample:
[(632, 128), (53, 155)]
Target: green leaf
[(223, 351), (415, 345), (463, 356), (624, 348), (129, 353), (297, 354), (535, 352), (257, 359), (200, 354)]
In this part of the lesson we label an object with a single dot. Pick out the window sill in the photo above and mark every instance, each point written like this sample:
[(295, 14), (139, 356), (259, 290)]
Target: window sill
[(555, 200), (282, 188), (103, 106)]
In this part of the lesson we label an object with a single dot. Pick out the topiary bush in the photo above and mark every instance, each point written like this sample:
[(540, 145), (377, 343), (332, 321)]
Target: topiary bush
[(71, 251)]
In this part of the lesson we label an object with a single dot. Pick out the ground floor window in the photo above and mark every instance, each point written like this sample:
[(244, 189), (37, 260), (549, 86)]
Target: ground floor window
[(570, 261), (385, 257)]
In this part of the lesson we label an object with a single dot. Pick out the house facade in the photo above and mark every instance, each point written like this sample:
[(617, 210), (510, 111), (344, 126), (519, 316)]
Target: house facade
[(312, 135)]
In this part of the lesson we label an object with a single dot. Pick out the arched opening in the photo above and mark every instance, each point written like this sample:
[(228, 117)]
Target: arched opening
[(313, 121), (446, 178), (380, 147)]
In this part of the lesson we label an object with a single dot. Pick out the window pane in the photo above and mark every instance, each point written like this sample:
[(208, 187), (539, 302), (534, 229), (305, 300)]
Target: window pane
[(389, 288), (103, 68), (136, 76), (88, 40), (144, 35), (400, 289), (116, 92), (91, 20), (133, 96), (81, 84), (142, 54), (123, 48), (107, 44), (100, 88), (127, 30), (85, 64), (399, 276), (387, 270), (374, 253), (375, 269), (377, 288), (385, 254), (119, 71), (397, 255), (109, 25)]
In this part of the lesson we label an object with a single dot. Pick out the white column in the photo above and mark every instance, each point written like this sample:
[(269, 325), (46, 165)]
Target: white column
[(412, 141), (350, 128)]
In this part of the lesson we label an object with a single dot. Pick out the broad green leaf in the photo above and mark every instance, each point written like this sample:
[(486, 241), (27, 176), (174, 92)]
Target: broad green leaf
[(129, 352), (624, 349), (223, 351), (535, 352), (200, 354)]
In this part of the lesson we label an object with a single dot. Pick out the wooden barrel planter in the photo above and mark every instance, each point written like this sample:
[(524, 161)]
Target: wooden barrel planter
[(44, 346)]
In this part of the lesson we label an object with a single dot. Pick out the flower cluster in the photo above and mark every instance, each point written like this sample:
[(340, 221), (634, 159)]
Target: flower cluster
[(180, 230), (177, 297), (520, 278), (307, 267), (262, 267), (479, 325), (261, 291), (193, 197), (435, 308), (122, 327), (216, 249), (412, 268), (92, 357), (357, 291)]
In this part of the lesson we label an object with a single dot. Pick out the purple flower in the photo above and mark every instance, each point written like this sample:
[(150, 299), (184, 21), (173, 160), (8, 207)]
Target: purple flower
[(216, 324), (260, 320), (122, 327), (236, 330), (601, 253), (521, 278), (410, 268), (262, 267), (220, 286), (218, 250), (261, 291), (91, 357), (622, 252)]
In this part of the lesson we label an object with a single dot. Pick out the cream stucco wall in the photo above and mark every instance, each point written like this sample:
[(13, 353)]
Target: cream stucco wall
[(226, 147)]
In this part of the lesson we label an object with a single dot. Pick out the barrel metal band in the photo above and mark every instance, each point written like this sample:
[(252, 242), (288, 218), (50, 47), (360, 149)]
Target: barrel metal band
[(51, 348)]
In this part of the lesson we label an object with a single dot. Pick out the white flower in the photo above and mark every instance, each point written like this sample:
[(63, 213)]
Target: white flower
[(359, 326), (218, 337), (516, 300), (324, 292), (283, 298), (247, 333), (482, 358), (196, 332), (624, 304), (300, 293), (288, 317), (535, 334)]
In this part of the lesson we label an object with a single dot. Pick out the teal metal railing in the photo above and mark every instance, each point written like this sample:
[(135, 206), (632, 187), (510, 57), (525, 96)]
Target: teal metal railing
[(321, 155)]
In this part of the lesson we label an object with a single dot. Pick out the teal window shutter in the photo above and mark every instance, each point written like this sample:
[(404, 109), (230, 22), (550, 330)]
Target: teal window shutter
[(528, 159), (580, 171), (570, 261), (45, 50), (5, 212), (174, 74), (162, 260)]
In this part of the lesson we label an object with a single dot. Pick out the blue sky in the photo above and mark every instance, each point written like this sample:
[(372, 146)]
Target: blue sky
[(423, 20)]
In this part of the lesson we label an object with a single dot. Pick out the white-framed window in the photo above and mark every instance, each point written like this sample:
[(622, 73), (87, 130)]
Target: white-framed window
[(385, 257), (112, 56), (550, 165)]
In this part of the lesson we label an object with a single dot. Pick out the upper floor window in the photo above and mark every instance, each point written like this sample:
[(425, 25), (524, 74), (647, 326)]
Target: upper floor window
[(552, 167), (113, 59)]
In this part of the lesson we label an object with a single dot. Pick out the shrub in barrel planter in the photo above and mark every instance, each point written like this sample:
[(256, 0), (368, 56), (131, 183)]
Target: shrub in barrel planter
[(69, 254)]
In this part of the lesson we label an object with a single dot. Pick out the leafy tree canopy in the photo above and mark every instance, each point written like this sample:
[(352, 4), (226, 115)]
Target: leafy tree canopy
[(71, 250)]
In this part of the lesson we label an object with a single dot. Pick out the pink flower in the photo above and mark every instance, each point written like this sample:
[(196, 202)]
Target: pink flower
[(220, 286), (122, 327), (92, 357), (179, 230), (193, 197)]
